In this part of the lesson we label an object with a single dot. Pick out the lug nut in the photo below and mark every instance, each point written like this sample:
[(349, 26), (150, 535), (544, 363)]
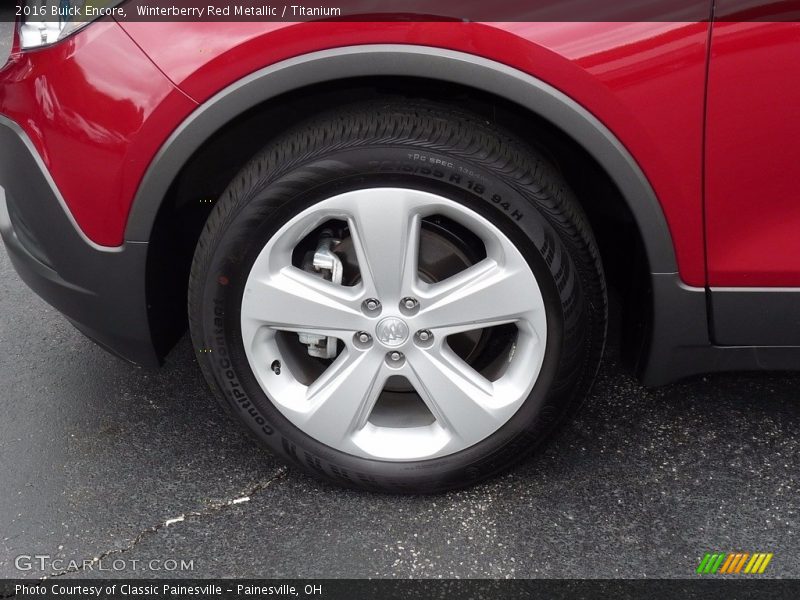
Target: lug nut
[(409, 305), (424, 338), (395, 359), (362, 340), (371, 306)]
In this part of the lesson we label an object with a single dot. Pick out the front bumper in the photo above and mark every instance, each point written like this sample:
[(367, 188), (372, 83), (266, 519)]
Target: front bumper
[(100, 290)]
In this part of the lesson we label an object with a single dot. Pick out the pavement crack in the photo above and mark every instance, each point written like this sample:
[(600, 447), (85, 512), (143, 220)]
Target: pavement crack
[(212, 509)]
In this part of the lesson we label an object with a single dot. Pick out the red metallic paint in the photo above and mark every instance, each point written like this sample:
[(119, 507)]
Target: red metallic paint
[(645, 81), (752, 208), (102, 107), (97, 110)]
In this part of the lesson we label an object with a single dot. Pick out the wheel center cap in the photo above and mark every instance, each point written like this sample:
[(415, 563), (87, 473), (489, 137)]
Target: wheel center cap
[(392, 332)]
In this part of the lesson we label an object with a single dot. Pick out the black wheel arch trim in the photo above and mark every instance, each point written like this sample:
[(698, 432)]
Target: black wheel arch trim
[(413, 61), (656, 360), (102, 289)]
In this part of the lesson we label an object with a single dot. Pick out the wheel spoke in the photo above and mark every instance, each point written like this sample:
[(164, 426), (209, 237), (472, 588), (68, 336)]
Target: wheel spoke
[(484, 295), (458, 396), (385, 231), (336, 404), (342, 398), (293, 300)]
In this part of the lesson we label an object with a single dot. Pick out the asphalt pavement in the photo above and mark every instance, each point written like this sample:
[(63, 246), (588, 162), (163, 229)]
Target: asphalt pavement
[(100, 459), (103, 464)]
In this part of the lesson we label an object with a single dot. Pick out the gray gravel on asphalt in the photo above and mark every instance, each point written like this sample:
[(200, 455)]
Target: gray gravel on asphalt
[(97, 455)]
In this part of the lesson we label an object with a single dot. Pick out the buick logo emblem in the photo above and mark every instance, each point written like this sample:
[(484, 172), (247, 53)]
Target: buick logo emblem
[(392, 332)]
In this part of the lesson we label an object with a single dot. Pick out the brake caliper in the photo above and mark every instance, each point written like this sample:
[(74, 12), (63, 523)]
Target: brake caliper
[(329, 267)]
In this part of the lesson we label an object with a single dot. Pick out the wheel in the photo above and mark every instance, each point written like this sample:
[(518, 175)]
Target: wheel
[(398, 296)]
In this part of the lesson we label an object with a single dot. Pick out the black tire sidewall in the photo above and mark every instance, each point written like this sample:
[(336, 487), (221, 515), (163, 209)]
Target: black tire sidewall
[(259, 206)]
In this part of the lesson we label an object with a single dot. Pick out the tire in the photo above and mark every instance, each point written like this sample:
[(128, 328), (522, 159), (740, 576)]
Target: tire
[(501, 206)]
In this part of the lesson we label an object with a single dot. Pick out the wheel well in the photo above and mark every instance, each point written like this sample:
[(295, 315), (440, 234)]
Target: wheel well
[(205, 176)]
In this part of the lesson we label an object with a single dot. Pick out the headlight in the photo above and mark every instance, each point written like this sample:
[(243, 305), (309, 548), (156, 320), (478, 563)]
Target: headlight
[(46, 22)]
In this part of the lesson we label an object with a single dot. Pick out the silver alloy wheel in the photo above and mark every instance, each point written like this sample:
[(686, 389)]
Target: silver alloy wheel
[(409, 341)]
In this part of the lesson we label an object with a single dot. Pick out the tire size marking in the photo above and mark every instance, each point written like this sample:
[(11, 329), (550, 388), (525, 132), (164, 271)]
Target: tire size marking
[(454, 178)]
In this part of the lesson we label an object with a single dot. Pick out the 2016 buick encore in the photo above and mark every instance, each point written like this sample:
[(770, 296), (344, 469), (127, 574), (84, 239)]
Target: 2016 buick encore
[(392, 240)]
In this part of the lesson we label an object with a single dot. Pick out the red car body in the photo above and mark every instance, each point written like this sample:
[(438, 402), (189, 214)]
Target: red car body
[(704, 109)]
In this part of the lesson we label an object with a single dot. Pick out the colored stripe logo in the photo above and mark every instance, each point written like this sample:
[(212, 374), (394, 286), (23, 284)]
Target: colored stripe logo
[(733, 563)]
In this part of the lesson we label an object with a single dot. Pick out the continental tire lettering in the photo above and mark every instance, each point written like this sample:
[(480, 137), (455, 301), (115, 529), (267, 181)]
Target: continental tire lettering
[(233, 389), (253, 412), (368, 479), (313, 462), (290, 448), (340, 472)]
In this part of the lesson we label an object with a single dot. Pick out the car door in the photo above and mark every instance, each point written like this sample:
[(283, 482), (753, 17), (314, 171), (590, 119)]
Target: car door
[(752, 196)]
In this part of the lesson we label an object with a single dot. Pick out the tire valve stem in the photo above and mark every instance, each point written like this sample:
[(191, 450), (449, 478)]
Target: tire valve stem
[(276, 367)]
